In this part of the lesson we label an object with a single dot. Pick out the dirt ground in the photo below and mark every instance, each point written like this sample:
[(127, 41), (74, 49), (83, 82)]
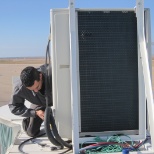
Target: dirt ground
[(11, 68)]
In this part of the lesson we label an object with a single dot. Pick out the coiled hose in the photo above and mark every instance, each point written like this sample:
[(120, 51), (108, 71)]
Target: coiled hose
[(49, 121)]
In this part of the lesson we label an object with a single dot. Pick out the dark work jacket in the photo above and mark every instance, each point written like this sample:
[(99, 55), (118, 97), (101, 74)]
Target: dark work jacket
[(21, 93)]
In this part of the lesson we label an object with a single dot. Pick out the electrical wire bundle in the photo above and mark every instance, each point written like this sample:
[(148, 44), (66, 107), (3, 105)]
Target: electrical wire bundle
[(111, 145)]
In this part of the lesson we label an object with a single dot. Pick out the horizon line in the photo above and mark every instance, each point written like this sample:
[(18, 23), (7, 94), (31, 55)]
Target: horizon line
[(22, 57)]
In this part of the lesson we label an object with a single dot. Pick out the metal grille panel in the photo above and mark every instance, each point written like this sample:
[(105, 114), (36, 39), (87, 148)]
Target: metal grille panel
[(108, 67)]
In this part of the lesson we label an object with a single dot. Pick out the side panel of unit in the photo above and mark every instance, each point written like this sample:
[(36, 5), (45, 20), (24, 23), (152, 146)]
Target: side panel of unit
[(60, 56)]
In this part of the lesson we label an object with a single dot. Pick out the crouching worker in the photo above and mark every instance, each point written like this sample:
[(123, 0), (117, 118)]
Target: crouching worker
[(31, 87)]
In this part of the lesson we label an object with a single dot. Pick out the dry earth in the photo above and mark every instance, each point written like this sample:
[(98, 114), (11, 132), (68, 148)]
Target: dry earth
[(10, 68)]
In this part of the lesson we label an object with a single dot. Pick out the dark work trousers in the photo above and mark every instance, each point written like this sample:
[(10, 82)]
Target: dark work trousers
[(32, 125)]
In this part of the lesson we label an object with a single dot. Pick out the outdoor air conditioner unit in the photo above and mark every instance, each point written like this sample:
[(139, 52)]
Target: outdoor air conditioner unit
[(110, 75)]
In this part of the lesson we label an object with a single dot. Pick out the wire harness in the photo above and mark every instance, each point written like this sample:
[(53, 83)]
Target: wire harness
[(112, 144)]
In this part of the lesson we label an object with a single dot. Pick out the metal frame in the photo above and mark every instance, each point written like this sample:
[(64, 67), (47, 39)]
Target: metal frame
[(73, 72), (145, 64), (74, 77)]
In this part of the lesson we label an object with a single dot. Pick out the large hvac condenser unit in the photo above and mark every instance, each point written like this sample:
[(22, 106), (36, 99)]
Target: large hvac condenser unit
[(110, 83)]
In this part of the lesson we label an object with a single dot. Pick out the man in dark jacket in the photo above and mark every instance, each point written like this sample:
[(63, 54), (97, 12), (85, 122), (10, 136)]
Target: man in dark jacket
[(31, 87)]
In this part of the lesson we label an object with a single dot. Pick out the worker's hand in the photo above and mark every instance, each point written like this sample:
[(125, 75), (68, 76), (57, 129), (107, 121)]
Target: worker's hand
[(40, 113)]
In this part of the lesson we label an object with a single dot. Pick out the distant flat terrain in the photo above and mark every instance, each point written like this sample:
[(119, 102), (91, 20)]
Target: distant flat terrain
[(10, 68), (22, 60)]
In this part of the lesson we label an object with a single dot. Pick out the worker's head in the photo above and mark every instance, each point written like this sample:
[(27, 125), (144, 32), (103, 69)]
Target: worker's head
[(31, 78)]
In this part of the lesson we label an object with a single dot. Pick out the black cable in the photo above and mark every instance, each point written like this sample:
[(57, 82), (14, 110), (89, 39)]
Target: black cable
[(49, 122), (49, 129), (50, 126), (21, 144), (55, 131), (48, 83), (52, 139)]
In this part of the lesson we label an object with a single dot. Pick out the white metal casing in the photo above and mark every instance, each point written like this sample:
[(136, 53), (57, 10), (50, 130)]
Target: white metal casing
[(60, 56)]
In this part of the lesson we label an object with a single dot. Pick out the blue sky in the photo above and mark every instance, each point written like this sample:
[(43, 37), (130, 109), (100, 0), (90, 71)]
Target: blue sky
[(24, 24)]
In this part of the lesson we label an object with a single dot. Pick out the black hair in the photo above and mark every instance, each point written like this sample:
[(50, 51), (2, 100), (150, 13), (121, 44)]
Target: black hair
[(29, 75)]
